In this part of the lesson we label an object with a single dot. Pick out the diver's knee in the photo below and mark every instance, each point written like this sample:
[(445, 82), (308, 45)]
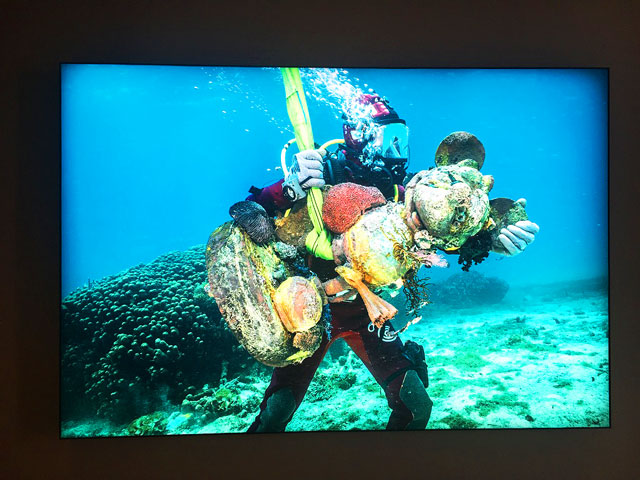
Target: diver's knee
[(280, 407), (415, 397)]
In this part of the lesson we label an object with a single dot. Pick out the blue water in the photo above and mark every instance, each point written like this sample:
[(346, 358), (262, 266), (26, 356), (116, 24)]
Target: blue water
[(152, 157)]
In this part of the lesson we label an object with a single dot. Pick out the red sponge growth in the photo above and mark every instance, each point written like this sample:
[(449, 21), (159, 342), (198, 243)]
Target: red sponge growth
[(346, 202)]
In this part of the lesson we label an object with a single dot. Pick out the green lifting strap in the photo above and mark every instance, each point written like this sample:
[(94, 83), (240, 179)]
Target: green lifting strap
[(318, 241)]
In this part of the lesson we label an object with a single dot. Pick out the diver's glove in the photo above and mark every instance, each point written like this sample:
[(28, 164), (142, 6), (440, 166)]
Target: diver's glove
[(306, 172), (515, 238)]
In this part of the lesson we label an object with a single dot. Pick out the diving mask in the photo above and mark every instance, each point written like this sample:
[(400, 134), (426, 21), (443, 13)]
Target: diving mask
[(390, 141)]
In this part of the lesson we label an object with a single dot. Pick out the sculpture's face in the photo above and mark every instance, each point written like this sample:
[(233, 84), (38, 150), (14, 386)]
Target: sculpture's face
[(452, 204)]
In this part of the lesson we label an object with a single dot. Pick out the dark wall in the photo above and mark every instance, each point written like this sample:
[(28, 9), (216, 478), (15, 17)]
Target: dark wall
[(37, 36)]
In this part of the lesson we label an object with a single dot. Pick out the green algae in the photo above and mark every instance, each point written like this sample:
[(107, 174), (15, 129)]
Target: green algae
[(326, 383), (469, 361), (563, 383), (520, 342), (509, 400), (441, 389), (497, 384), (153, 424), (458, 422)]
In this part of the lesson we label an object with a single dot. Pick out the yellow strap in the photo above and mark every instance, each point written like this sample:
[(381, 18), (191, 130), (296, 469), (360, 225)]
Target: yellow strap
[(396, 193), (297, 108), (331, 142), (318, 240)]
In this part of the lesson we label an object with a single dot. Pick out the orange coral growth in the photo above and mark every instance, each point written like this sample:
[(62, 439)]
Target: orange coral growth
[(346, 202)]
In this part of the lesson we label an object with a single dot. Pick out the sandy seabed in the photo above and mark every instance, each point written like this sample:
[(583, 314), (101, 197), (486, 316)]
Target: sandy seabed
[(538, 359)]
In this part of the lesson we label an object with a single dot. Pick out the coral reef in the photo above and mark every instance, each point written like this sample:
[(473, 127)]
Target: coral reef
[(346, 202), (235, 401), (153, 424), (211, 403), (137, 340), (539, 362), (467, 289)]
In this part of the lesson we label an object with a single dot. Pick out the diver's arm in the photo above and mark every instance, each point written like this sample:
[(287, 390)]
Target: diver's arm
[(517, 236), (512, 240), (305, 173), (271, 197)]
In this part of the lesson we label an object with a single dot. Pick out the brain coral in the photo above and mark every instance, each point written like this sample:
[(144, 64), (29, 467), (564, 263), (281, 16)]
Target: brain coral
[(133, 341), (346, 202)]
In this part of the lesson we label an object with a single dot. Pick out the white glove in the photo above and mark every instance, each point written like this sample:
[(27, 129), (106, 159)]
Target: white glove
[(515, 238), (309, 167)]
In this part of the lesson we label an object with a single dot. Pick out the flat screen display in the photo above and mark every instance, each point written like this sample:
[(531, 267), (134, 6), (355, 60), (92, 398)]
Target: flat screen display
[(307, 249)]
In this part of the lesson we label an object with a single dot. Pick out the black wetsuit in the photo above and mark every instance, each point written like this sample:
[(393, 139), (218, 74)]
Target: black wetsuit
[(401, 375)]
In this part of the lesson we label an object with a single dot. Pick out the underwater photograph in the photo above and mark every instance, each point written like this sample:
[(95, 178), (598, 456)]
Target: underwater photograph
[(249, 250)]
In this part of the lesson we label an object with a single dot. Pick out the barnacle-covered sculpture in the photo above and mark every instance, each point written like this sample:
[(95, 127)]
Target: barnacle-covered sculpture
[(273, 311), (452, 203), (375, 251), (274, 307), (378, 248)]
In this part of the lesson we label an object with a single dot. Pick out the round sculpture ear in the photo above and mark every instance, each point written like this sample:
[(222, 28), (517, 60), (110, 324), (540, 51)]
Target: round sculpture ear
[(458, 147)]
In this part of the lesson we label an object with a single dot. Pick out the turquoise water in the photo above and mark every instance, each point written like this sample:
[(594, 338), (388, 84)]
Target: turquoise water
[(153, 156)]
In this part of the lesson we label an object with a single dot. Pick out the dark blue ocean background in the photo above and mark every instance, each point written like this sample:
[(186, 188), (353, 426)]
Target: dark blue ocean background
[(153, 156)]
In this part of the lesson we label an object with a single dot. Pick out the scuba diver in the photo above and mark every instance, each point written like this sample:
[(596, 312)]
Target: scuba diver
[(375, 153)]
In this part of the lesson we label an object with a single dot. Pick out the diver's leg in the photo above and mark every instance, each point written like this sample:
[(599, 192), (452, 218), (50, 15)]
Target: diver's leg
[(398, 372), (286, 391), (289, 384), (415, 405)]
